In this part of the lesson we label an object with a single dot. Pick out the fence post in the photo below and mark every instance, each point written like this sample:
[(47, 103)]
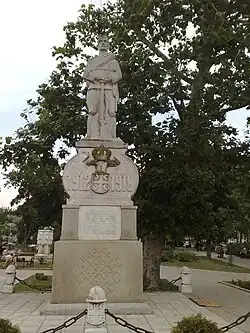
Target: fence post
[(186, 280), (10, 275), (96, 318)]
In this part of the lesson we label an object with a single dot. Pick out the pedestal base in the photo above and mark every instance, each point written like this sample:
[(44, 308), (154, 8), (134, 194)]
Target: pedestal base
[(116, 308), (115, 266)]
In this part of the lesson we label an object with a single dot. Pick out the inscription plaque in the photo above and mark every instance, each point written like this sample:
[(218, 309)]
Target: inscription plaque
[(99, 223)]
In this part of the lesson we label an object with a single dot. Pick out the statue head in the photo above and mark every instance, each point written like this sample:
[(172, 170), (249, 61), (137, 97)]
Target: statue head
[(103, 43)]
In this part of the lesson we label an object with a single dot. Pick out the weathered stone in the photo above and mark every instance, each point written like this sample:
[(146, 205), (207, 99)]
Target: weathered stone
[(81, 265), (96, 319), (70, 222), (102, 75), (114, 186), (99, 222), (10, 275), (186, 282)]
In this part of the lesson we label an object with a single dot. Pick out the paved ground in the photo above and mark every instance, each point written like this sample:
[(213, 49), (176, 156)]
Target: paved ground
[(205, 284), (24, 309), (169, 308)]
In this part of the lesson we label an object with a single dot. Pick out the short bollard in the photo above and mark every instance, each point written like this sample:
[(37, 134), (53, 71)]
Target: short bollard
[(186, 281), (96, 320), (10, 275)]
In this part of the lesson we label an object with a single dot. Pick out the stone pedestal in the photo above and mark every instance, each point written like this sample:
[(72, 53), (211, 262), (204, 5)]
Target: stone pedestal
[(81, 265), (99, 244)]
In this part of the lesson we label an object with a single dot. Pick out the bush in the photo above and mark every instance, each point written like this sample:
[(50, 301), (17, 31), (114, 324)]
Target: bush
[(236, 248), (192, 324), (165, 285), (186, 257), (167, 255), (41, 277), (241, 283), (7, 327)]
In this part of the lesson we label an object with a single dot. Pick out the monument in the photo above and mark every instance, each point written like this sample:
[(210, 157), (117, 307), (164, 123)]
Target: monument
[(44, 241), (99, 244)]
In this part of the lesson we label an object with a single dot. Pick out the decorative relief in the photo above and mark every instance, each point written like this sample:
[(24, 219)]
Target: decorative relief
[(100, 179), (100, 268)]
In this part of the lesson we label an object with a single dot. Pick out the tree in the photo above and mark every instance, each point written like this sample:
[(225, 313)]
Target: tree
[(187, 58), (8, 223)]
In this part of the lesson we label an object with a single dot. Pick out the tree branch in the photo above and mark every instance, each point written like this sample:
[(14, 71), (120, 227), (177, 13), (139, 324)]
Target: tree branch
[(166, 60), (229, 109), (178, 108)]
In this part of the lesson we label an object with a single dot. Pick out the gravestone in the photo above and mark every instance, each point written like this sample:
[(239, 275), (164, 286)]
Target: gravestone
[(99, 244)]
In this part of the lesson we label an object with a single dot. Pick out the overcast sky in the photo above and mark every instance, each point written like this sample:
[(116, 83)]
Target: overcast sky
[(29, 29)]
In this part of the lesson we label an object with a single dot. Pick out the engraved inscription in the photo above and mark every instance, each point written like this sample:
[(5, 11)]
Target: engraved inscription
[(99, 222), (82, 182), (99, 268), (96, 315)]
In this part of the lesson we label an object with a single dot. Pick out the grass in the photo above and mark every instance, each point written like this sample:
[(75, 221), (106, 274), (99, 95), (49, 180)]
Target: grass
[(33, 281), (209, 264)]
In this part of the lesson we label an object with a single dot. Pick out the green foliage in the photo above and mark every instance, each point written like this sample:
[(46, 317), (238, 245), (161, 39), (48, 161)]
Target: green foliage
[(186, 257), (7, 327), (41, 277), (236, 248), (242, 283), (168, 255), (196, 324), (8, 222), (192, 166), (165, 285)]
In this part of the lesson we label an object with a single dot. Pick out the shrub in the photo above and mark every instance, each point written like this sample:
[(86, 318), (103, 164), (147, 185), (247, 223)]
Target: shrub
[(186, 257), (41, 277), (242, 283), (236, 248), (192, 324), (7, 327), (168, 255), (165, 285)]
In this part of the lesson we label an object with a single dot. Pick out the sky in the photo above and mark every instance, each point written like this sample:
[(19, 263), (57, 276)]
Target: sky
[(28, 31)]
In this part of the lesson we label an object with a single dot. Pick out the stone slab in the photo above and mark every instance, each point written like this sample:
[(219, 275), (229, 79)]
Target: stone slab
[(70, 222), (115, 266), (116, 308), (99, 223)]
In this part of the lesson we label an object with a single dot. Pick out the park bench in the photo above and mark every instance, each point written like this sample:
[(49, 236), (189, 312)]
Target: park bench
[(26, 258)]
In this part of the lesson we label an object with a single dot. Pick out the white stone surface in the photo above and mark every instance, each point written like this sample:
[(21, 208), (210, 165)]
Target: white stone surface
[(8, 285), (96, 319), (99, 223), (186, 281), (45, 237), (102, 75), (121, 183)]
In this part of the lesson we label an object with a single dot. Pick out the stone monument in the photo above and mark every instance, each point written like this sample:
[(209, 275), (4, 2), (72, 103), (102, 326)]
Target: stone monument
[(99, 244), (44, 241)]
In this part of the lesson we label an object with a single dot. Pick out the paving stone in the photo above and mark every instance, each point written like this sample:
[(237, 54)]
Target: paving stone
[(169, 308)]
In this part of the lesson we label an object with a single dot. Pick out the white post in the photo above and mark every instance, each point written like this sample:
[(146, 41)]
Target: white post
[(186, 281), (10, 275), (96, 320)]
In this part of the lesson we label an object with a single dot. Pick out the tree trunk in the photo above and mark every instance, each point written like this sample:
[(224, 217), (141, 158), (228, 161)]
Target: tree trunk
[(209, 249), (152, 248)]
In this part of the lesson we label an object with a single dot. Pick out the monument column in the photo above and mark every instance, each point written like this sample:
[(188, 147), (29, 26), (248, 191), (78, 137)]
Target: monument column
[(99, 244)]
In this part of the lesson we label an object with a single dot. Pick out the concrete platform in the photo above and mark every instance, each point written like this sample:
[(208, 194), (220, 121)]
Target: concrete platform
[(75, 309)]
